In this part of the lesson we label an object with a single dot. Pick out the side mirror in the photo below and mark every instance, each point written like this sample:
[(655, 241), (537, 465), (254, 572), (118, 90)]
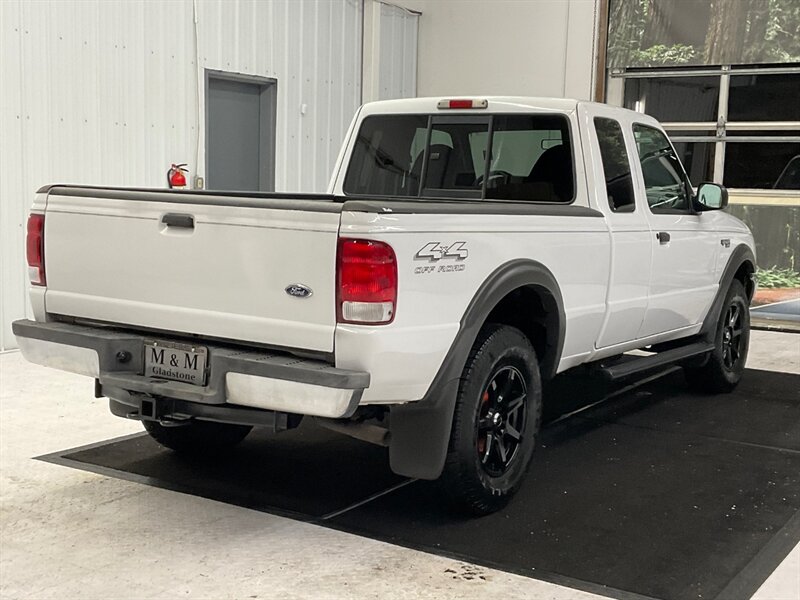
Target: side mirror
[(710, 196)]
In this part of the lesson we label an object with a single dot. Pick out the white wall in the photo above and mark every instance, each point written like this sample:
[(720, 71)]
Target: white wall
[(397, 70), (106, 92), (390, 51), (505, 47)]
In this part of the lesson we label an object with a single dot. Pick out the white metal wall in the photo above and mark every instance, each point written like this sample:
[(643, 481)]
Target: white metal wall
[(107, 93), (397, 73)]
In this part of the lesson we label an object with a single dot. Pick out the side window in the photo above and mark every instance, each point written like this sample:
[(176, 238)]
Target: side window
[(616, 166), (531, 159), (664, 178)]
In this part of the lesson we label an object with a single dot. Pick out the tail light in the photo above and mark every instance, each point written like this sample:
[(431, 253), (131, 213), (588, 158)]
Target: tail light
[(34, 249), (366, 273)]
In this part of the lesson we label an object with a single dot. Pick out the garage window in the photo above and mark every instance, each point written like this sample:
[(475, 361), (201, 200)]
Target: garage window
[(739, 126)]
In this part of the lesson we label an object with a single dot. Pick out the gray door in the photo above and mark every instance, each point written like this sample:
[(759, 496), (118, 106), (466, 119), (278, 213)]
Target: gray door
[(240, 130)]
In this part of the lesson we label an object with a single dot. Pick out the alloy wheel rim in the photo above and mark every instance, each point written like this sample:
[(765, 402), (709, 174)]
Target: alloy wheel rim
[(501, 420), (732, 330)]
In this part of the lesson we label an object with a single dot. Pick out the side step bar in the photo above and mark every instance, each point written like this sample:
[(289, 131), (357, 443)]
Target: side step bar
[(631, 365)]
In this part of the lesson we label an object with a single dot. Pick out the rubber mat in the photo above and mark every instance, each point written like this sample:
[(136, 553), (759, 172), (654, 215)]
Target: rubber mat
[(656, 493), (306, 473)]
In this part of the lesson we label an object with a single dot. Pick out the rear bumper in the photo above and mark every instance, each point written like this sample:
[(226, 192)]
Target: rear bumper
[(264, 380)]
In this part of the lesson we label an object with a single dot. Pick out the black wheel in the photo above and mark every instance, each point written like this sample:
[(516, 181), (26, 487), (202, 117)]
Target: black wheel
[(199, 438), (725, 366), (497, 416)]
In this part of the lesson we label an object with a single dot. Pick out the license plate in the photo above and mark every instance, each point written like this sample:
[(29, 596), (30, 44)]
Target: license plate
[(179, 362)]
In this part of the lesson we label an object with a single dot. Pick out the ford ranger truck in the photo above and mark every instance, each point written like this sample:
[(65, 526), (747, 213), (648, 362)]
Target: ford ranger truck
[(466, 251)]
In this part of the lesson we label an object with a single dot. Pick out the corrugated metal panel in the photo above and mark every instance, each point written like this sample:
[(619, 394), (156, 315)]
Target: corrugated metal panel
[(398, 53), (106, 93)]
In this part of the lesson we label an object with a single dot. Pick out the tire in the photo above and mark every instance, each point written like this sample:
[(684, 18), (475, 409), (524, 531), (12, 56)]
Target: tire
[(725, 366), (197, 438), (485, 463)]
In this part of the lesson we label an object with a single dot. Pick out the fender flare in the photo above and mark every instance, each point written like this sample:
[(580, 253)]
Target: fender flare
[(420, 431), (742, 254)]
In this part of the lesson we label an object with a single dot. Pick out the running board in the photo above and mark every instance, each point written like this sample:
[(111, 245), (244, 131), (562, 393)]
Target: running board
[(631, 365)]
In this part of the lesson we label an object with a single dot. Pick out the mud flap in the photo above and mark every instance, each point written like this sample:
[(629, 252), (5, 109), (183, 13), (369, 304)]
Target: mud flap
[(420, 434)]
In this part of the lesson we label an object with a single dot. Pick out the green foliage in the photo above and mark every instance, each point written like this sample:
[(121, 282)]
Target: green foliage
[(782, 39), (778, 278), (771, 32), (677, 54)]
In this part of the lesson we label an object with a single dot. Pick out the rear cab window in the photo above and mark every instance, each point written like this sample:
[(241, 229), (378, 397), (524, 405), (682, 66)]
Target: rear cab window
[(517, 157)]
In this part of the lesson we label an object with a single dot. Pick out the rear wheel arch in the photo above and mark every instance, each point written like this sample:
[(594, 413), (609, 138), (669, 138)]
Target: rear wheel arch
[(525, 295), (420, 431)]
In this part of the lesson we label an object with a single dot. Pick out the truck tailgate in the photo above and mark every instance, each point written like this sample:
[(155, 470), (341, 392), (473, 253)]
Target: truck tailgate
[(220, 269)]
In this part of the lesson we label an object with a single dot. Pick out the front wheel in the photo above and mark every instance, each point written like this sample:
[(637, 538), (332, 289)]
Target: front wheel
[(497, 417), (725, 366), (197, 438)]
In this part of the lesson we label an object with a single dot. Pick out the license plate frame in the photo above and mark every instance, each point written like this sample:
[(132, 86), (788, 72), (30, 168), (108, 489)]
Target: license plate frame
[(175, 361)]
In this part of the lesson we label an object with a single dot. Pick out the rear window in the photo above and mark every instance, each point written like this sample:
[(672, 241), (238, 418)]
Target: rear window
[(502, 157)]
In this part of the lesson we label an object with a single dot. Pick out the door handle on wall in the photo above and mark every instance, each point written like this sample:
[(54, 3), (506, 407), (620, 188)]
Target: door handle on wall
[(663, 237)]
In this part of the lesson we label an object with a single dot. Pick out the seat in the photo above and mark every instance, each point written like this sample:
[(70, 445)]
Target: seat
[(437, 165), (554, 170)]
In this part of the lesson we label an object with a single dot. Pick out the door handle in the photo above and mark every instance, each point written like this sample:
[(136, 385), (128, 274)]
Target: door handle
[(663, 237), (178, 220)]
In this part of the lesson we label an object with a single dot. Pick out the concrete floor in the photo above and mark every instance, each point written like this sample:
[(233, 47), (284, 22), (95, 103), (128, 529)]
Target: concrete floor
[(71, 534)]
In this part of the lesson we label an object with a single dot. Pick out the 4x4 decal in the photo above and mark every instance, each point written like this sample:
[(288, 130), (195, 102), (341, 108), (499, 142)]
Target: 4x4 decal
[(435, 251)]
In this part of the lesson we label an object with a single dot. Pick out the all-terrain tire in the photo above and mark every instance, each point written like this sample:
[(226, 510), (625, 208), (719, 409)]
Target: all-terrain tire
[(499, 397), (724, 368)]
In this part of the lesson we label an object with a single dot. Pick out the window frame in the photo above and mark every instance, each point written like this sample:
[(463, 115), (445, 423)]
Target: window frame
[(687, 184), (435, 194), (722, 128)]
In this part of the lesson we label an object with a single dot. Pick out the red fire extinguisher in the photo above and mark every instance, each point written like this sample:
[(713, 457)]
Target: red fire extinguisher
[(176, 177)]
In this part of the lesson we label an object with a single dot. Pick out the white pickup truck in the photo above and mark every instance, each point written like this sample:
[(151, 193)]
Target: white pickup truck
[(467, 250)]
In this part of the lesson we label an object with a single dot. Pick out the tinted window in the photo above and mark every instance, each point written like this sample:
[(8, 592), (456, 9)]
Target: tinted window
[(672, 99), (447, 155), (456, 156), (697, 158), (761, 165), (531, 159), (385, 155), (616, 166), (664, 180), (764, 97)]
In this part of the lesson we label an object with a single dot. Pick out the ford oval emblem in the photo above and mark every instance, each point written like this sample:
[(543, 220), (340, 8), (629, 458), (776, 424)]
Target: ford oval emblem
[(298, 290)]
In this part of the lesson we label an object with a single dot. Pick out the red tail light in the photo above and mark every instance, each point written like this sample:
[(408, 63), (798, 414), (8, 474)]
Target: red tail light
[(34, 249), (366, 273)]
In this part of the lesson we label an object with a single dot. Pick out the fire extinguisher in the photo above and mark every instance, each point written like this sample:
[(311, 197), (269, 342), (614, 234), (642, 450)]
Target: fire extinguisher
[(176, 177)]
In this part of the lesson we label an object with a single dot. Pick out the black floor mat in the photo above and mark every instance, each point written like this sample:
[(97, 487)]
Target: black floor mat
[(307, 473), (658, 492)]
